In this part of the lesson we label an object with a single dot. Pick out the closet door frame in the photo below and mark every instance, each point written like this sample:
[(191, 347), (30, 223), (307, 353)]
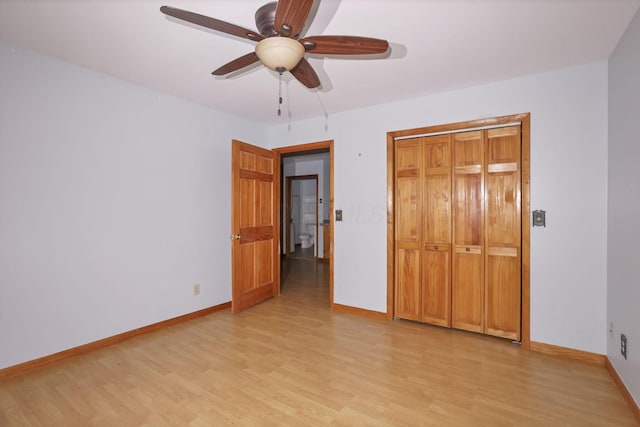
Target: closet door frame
[(524, 119)]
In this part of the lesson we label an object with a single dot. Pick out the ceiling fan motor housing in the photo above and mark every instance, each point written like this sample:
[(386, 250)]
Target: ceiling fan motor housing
[(265, 19)]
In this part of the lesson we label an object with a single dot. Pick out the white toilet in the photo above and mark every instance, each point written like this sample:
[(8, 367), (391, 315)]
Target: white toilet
[(309, 227)]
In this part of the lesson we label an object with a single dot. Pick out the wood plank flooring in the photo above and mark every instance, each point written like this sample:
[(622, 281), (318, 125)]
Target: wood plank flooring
[(292, 362), (303, 253)]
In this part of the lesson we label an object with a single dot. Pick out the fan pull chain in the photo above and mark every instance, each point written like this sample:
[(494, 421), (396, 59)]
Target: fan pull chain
[(326, 115), (280, 95), (286, 90)]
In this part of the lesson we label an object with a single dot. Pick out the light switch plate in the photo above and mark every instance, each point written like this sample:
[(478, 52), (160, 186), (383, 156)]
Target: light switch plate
[(539, 218), (338, 215)]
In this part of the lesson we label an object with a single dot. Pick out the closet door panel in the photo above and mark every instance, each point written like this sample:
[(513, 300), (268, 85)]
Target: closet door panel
[(502, 294), (503, 232), (437, 215), (468, 209), (437, 152), (468, 148), (436, 285), (503, 216), (408, 284), (408, 203), (467, 302), (407, 222), (436, 280), (468, 289), (503, 224)]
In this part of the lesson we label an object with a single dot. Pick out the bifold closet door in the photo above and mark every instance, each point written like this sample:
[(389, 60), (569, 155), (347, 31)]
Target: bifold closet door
[(408, 211), (436, 258), (503, 233), (467, 302), (458, 230)]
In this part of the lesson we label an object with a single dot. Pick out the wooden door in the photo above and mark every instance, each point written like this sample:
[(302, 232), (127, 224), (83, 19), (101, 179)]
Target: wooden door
[(436, 258), (326, 242), (468, 219), (408, 203), (503, 233), (254, 221), (288, 223)]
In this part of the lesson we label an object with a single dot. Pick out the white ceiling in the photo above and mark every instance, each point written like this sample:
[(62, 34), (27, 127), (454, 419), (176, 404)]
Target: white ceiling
[(436, 45)]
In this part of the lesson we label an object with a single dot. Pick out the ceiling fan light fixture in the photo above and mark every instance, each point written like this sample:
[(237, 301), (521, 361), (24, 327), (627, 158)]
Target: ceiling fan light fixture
[(280, 53)]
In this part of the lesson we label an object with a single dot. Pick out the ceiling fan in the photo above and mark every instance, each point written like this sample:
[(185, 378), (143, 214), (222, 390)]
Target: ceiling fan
[(279, 46)]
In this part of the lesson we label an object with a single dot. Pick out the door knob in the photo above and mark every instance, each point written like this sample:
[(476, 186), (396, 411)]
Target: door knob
[(236, 237)]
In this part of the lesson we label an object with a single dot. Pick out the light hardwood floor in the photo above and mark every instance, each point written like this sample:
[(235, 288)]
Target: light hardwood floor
[(300, 253), (291, 361)]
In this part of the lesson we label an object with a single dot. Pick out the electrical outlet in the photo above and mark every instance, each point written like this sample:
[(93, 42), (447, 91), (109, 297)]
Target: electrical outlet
[(196, 289), (623, 345)]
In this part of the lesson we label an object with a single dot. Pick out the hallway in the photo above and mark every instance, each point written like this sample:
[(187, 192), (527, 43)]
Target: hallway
[(303, 275)]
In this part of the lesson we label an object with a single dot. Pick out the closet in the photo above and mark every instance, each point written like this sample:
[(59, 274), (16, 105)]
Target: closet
[(457, 200)]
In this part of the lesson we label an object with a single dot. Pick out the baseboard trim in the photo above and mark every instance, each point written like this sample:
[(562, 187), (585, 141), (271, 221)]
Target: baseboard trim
[(41, 362), (569, 353), (623, 389), (359, 311)]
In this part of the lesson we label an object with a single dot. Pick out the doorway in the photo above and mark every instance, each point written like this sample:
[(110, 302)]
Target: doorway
[(300, 216), (308, 161)]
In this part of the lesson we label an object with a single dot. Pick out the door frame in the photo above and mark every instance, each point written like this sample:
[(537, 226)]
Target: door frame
[(525, 122), (287, 223), (328, 144)]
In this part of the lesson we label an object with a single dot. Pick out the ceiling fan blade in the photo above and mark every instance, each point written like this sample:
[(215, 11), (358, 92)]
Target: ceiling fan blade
[(344, 45), (305, 74), (237, 64), (214, 24), (291, 16)]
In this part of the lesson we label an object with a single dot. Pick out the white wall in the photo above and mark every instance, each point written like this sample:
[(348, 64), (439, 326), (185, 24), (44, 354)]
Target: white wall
[(114, 202), (568, 179), (623, 281)]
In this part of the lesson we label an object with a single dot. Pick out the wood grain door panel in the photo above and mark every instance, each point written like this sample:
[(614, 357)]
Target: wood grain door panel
[(436, 267), (503, 216), (254, 178), (503, 233), (467, 301), (437, 215), (468, 208), (436, 285), (408, 194), (502, 310), (408, 289), (408, 232), (468, 291)]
